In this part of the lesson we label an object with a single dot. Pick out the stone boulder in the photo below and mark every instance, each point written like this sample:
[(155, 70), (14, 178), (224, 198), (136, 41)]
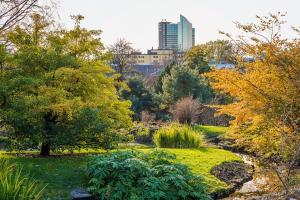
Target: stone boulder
[(81, 194)]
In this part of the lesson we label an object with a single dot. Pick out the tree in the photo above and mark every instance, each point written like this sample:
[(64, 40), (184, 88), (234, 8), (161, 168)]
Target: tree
[(121, 52), (266, 92), (221, 51), (198, 58), (184, 82), (60, 92), (12, 12), (141, 98)]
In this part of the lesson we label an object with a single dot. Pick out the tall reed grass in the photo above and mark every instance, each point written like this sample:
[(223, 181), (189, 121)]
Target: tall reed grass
[(14, 185), (178, 136)]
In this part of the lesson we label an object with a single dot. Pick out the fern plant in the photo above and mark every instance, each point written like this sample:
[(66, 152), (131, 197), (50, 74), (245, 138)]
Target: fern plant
[(135, 175)]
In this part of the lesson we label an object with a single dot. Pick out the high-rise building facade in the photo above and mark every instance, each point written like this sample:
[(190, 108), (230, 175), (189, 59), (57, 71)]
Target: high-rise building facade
[(176, 36), (185, 34), (194, 37), (168, 35)]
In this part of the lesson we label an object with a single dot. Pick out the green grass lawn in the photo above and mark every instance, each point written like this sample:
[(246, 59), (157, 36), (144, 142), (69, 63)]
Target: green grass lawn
[(200, 161), (61, 174), (211, 131)]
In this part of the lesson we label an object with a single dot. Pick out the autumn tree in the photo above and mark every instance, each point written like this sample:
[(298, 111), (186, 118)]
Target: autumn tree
[(60, 92), (266, 92)]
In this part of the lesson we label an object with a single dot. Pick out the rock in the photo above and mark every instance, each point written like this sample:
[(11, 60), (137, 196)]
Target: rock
[(81, 194), (227, 144), (294, 195), (233, 173)]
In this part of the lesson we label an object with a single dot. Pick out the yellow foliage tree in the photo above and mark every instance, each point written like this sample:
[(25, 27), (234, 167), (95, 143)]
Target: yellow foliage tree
[(266, 87)]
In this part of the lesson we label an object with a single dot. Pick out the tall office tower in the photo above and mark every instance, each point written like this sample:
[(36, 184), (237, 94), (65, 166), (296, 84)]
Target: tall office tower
[(168, 35), (185, 34), (176, 36), (194, 37)]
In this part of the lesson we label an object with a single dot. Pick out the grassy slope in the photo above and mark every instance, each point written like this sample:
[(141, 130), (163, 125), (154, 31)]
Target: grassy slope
[(211, 131), (200, 161), (62, 174), (59, 174)]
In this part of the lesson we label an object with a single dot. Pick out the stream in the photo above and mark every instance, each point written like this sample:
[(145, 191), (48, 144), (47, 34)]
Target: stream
[(265, 181)]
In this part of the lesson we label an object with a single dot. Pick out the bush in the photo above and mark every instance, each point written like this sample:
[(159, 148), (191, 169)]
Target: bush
[(4, 142), (147, 117), (15, 186), (135, 175), (141, 133), (177, 136), (186, 110)]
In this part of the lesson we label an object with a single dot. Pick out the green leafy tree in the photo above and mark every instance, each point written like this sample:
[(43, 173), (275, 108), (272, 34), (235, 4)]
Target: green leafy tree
[(198, 58), (183, 82), (157, 86), (221, 51), (60, 92), (142, 99)]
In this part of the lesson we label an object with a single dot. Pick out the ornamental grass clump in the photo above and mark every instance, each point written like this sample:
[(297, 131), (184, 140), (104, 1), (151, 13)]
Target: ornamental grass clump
[(178, 136), (14, 185), (143, 176)]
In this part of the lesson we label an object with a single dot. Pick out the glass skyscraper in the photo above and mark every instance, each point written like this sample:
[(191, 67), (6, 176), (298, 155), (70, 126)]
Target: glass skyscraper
[(176, 36), (168, 35)]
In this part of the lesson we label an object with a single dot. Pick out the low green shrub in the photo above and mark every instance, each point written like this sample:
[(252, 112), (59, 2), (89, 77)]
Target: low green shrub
[(16, 186), (178, 136), (141, 133), (4, 142), (135, 175)]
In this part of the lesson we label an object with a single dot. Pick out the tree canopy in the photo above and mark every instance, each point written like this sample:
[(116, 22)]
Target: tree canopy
[(266, 90), (59, 91), (183, 82)]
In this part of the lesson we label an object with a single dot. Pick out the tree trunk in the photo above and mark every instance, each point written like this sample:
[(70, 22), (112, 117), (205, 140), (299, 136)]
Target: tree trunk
[(45, 149)]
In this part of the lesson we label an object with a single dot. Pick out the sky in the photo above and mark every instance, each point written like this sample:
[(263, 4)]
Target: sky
[(137, 20)]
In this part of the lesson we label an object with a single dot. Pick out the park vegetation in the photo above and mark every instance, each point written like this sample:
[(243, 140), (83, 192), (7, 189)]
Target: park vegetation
[(14, 185), (138, 175), (266, 90), (58, 90), (178, 136), (62, 90)]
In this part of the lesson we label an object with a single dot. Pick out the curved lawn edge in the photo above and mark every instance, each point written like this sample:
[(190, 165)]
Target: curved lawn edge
[(62, 174), (202, 160)]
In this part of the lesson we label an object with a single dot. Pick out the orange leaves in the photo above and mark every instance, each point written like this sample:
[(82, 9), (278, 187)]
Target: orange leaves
[(266, 90)]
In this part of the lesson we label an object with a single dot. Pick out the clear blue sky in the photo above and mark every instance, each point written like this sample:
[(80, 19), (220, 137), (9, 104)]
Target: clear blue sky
[(137, 20)]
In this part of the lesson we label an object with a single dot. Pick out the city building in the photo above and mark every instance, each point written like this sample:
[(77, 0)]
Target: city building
[(168, 35), (153, 62), (185, 34), (176, 36), (156, 57)]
